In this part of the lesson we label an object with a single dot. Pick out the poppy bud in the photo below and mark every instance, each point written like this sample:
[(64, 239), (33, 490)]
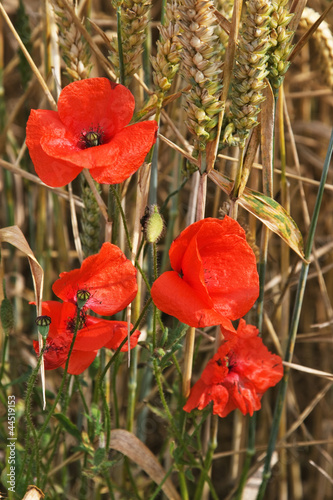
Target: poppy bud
[(43, 323), (7, 315), (82, 297), (153, 224)]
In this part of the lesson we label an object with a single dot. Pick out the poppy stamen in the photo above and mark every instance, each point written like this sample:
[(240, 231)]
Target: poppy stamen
[(91, 138)]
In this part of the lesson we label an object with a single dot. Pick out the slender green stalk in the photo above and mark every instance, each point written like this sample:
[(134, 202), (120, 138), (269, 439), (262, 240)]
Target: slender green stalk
[(30, 427), (64, 378), (106, 413), (208, 460), (120, 47), (294, 324), (115, 193), (158, 489), (239, 173), (146, 52)]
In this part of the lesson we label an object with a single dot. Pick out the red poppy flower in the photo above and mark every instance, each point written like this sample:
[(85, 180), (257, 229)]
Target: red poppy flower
[(238, 375), (108, 276), (214, 275), (93, 334), (89, 131)]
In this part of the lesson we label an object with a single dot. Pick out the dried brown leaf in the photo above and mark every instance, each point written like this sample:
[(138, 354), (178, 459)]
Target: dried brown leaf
[(267, 139), (15, 237), (128, 444), (33, 493)]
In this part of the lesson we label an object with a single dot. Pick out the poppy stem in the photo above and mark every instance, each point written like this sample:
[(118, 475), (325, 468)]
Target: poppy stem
[(64, 378), (30, 426), (208, 460)]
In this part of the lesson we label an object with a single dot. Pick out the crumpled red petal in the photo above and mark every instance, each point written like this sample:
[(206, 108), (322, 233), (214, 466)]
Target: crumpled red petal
[(175, 297), (80, 361), (108, 276), (56, 351), (99, 333), (95, 102), (56, 139), (211, 226), (110, 163), (237, 375), (119, 334), (126, 153), (215, 274), (50, 170)]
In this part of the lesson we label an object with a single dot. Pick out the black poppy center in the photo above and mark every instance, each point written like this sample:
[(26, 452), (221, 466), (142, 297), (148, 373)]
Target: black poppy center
[(91, 138), (71, 323)]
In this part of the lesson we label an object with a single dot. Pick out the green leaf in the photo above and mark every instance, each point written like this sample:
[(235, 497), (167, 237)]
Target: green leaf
[(68, 425), (275, 217), (99, 456)]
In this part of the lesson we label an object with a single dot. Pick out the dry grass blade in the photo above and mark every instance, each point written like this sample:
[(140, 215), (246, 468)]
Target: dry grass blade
[(305, 369), (14, 236), (128, 444), (29, 59), (322, 471), (223, 22), (33, 493), (267, 135)]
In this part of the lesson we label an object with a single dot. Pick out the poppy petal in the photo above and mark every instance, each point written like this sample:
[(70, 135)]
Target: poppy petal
[(238, 374), (95, 102), (119, 334), (110, 163), (108, 276), (52, 171), (56, 351), (231, 274), (60, 313), (175, 297), (126, 153), (193, 271), (209, 226), (80, 361)]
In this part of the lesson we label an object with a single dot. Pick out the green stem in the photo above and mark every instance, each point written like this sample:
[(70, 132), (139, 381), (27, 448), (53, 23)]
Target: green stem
[(120, 47), (106, 413), (30, 427), (235, 192), (208, 460), (183, 485), (132, 387), (3, 358), (294, 324), (64, 378)]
